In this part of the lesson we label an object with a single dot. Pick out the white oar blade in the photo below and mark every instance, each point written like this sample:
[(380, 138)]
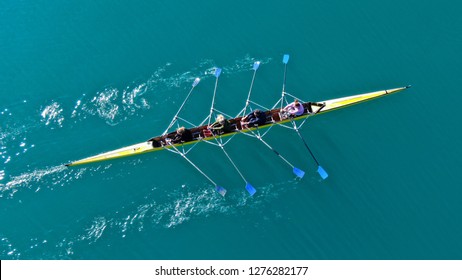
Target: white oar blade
[(285, 59), (322, 172), (250, 189), (256, 64), (217, 72), (220, 190), (196, 81), (300, 173)]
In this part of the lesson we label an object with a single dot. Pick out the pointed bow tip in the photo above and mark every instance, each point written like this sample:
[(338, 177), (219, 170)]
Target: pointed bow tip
[(394, 90)]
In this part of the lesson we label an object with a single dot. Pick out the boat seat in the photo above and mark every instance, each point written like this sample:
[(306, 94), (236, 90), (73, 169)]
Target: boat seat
[(207, 133), (276, 117)]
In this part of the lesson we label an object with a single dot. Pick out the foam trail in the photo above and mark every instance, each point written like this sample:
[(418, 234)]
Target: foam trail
[(26, 179)]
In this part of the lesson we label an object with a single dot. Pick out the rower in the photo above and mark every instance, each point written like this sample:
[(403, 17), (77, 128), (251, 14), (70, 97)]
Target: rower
[(182, 135), (255, 118), (220, 126), (293, 109), (155, 142)]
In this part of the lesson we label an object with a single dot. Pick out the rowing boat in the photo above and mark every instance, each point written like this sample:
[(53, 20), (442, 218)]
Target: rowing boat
[(146, 146), (275, 116)]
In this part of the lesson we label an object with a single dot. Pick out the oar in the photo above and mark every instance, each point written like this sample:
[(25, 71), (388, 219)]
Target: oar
[(321, 171), (212, 108), (194, 84), (250, 189), (285, 59), (255, 66), (219, 189), (298, 172)]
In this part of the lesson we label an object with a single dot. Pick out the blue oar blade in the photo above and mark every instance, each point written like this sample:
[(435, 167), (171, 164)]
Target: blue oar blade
[(285, 59), (322, 172), (250, 189), (300, 173), (196, 81), (217, 72), (256, 64), (220, 190)]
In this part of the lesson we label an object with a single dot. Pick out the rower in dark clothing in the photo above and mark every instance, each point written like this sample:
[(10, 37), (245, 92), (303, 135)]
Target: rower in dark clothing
[(221, 125), (256, 117), (182, 135)]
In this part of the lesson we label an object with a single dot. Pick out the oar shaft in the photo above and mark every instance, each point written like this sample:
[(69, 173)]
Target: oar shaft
[(285, 60), (255, 67), (284, 79), (192, 163), (213, 97), (198, 169), (196, 81), (178, 112), (321, 170), (232, 162), (306, 145), (276, 152), (212, 107), (247, 102)]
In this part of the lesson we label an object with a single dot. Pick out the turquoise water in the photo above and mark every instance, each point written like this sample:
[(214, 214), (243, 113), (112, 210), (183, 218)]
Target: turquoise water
[(82, 78)]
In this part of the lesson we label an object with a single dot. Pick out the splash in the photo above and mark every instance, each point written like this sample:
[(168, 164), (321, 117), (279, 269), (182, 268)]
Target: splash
[(192, 204), (96, 230), (189, 204), (76, 107), (244, 64), (160, 81), (105, 105), (186, 205), (130, 96), (115, 105), (7, 250), (6, 112), (52, 114)]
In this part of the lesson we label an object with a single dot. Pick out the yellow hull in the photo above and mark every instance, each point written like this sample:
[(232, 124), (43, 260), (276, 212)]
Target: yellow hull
[(145, 147)]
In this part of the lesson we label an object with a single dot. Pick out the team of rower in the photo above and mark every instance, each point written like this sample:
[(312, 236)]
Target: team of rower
[(222, 125)]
